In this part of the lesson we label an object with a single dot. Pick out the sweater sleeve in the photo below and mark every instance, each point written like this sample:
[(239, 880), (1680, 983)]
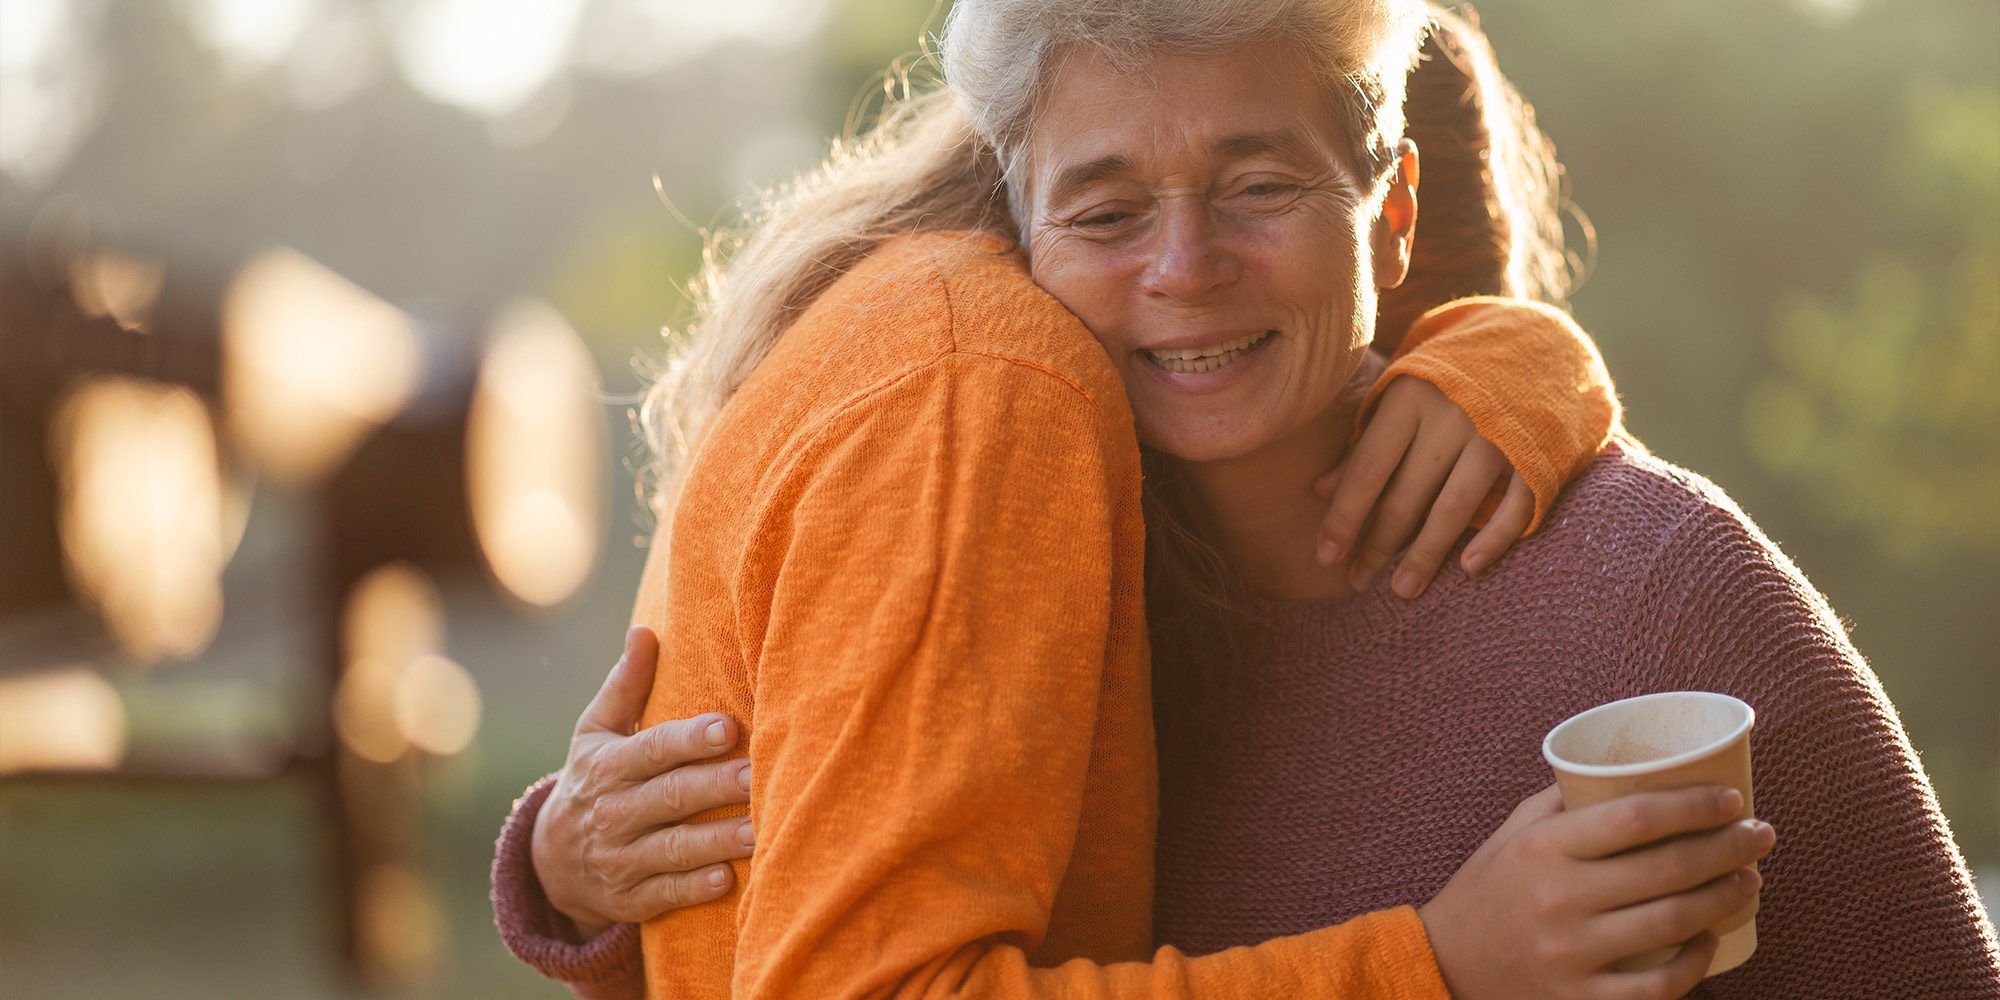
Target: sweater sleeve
[(1527, 375), (926, 691), (1865, 894), (606, 967)]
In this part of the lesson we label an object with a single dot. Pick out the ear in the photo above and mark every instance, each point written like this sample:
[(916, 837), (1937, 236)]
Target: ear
[(1396, 224)]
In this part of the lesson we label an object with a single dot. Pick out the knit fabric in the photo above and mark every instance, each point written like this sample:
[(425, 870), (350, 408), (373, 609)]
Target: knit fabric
[(909, 558), (1375, 742), (606, 967)]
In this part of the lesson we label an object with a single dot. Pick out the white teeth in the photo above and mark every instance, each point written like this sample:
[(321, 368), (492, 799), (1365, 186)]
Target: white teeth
[(1206, 359)]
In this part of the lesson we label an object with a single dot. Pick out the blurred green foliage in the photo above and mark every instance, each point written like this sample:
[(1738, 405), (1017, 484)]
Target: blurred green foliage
[(1883, 409)]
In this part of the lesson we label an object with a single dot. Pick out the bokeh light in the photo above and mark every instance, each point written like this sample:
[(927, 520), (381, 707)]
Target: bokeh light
[(249, 34), (489, 56), (393, 616), (311, 364), (401, 926), (50, 83), (142, 512), (116, 285), (436, 705), (70, 720), (534, 456), (399, 691)]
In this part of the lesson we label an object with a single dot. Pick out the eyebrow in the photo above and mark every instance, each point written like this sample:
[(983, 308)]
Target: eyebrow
[(1072, 178), (1283, 144)]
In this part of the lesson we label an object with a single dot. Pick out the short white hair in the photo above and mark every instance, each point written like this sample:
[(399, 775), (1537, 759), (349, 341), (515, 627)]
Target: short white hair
[(996, 56)]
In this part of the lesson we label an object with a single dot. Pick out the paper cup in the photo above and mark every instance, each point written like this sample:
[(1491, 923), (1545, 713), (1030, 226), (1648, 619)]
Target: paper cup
[(1654, 743)]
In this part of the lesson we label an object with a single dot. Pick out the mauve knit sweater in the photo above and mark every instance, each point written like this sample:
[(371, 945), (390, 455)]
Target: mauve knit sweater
[(1376, 742)]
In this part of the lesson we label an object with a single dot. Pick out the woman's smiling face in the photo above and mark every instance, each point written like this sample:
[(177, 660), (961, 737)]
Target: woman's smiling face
[(1202, 222)]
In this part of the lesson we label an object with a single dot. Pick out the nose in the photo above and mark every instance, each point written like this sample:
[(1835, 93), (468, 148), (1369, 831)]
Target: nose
[(1190, 262)]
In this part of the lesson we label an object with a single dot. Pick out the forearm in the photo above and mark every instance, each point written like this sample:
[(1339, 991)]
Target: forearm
[(604, 967), (1379, 955), (1530, 379)]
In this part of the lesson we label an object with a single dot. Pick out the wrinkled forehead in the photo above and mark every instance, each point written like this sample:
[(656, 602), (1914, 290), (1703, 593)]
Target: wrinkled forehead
[(1098, 117)]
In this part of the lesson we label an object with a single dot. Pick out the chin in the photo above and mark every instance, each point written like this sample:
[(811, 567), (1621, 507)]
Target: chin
[(1195, 444)]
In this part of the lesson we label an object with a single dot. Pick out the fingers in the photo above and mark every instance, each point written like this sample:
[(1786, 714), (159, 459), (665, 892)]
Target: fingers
[(618, 704), (1642, 818), (1416, 483), (1669, 920), (1678, 865), (1359, 479), (689, 846), (1509, 522), (1544, 803), (1479, 466), (686, 791), (673, 891), (1675, 979), (657, 750)]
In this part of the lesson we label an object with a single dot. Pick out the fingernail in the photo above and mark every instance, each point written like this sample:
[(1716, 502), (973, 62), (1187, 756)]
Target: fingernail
[(1329, 553), (1476, 561), (744, 835), (717, 876), (1765, 834), (1749, 879), (1406, 584), (1729, 800), (743, 776), (717, 733)]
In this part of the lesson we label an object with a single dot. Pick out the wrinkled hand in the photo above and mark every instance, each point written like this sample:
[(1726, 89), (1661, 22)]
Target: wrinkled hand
[(1420, 461), (1553, 897), (608, 846)]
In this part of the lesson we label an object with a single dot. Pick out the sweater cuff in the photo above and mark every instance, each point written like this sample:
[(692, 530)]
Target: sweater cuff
[(1531, 381), (534, 930), (1398, 939)]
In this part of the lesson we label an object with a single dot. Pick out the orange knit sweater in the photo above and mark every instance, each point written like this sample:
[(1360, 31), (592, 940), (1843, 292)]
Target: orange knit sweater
[(909, 558)]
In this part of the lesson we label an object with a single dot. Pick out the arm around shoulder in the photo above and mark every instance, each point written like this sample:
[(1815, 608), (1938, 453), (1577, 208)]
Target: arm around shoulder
[(931, 730), (1531, 380)]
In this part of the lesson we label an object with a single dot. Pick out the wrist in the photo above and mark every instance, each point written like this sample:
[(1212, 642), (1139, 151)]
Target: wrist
[(543, 858), (1444, 949)]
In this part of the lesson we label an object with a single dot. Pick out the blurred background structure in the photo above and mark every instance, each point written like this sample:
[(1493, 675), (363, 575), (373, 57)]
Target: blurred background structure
[(281, 637)]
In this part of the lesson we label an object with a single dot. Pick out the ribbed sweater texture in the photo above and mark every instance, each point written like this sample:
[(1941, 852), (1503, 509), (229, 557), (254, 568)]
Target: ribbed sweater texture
[(1375, 743)]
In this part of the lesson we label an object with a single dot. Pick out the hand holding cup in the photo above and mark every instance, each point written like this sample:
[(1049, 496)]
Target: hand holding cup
[(1654, 743)]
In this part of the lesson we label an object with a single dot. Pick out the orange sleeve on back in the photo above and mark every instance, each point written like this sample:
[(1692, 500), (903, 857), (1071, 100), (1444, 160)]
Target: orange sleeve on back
[(1528, 376), (926, 691)]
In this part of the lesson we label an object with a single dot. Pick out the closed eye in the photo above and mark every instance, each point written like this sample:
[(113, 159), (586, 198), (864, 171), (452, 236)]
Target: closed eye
[(1102, 220)]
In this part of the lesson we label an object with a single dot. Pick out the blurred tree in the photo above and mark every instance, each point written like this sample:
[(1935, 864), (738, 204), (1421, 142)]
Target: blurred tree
[(1882, 408)]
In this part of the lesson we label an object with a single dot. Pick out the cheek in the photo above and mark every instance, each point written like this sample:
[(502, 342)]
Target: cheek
[(1310, 255), (1089, 282)]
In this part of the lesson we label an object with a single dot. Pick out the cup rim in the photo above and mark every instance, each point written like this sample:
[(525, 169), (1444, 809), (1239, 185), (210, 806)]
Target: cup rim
[(1707, 749)]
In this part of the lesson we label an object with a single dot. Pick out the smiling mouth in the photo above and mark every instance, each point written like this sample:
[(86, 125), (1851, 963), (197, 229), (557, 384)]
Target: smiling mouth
[(1207, 359)]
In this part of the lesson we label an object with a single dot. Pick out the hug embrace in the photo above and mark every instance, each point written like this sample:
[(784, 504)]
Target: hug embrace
[(1112, 544)]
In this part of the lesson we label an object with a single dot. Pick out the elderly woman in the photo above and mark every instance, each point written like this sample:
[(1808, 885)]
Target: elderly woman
[(954, 785)]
